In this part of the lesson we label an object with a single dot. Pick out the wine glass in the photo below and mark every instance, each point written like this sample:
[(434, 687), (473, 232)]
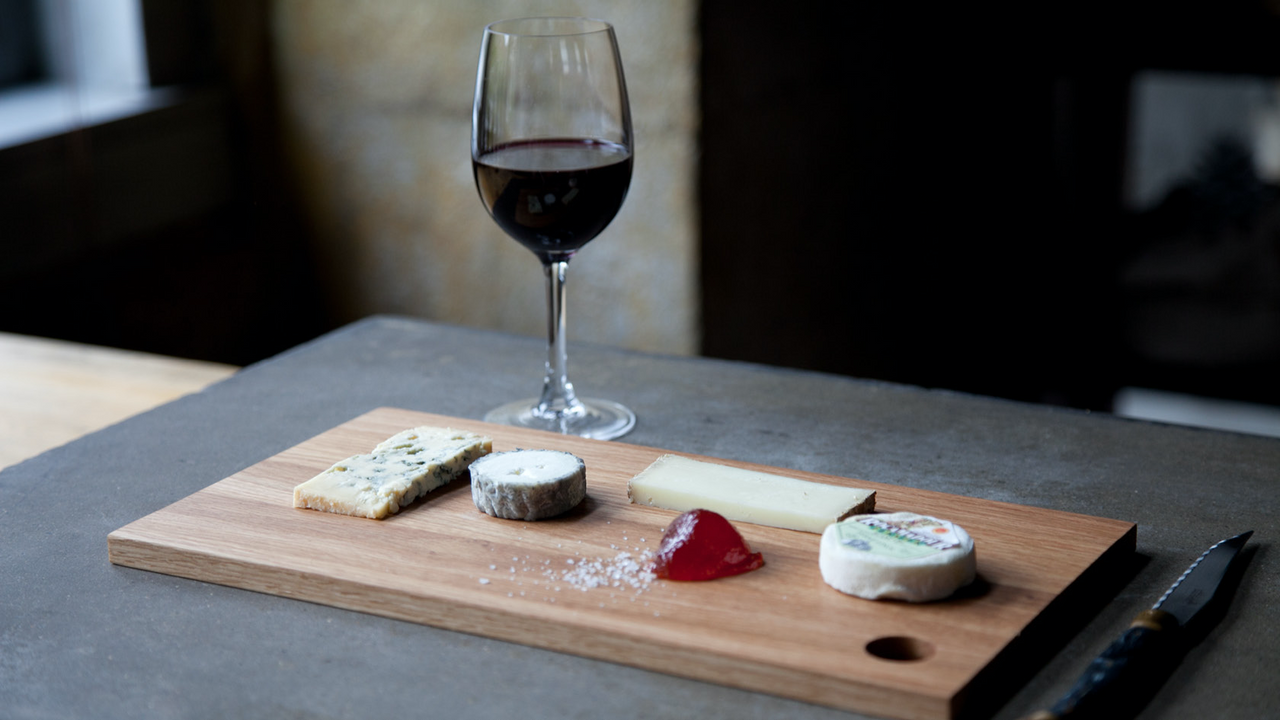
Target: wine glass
[(551, 151)]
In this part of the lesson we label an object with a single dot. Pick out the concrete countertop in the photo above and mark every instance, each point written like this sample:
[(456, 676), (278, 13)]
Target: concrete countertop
[(80, 637)]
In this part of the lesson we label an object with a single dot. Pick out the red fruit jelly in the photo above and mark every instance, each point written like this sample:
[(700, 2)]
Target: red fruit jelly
[(702, 545)]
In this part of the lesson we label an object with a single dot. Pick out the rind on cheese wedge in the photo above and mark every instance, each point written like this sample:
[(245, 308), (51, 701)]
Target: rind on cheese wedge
[(898, 556), (528, 484), (400, 469), (680, 483)]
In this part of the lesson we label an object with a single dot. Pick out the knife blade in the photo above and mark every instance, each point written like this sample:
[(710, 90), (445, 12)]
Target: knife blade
[(1150, 634)]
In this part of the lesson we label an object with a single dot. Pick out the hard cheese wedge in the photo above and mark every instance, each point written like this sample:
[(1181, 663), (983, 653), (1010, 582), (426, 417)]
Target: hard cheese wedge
[(679, 483), (400, 469)]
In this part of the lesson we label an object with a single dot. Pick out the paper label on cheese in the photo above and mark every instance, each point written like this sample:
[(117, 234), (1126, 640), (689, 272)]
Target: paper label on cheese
[(899, 538)]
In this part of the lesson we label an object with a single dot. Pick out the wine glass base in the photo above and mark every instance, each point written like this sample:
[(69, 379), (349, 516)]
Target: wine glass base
[(597, 419)]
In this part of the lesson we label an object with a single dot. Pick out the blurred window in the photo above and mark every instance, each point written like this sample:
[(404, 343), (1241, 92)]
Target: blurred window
[(66, 64), (1180, 118), (21, 55)]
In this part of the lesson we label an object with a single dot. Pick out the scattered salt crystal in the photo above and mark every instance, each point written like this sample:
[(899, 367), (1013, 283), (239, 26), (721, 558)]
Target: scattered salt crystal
[(484, 581), (493, 567), (624, 569)]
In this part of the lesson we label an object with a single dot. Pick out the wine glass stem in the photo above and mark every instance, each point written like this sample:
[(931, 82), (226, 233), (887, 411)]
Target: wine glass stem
[(557, 392)]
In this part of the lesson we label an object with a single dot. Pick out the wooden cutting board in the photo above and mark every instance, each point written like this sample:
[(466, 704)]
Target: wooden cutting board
[(778, 630)]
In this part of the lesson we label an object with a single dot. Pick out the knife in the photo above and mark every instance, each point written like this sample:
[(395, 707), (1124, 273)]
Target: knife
[(1144, 644)]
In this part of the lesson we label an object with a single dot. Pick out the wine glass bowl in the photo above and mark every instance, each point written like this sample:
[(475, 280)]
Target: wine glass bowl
[(574, 192), (551, 152)]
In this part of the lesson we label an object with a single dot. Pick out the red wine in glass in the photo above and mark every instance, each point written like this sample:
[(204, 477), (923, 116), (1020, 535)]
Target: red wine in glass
[(554, 196), (551, 150)]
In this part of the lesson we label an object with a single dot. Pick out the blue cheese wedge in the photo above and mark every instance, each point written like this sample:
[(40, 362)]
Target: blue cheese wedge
[(400, 469)]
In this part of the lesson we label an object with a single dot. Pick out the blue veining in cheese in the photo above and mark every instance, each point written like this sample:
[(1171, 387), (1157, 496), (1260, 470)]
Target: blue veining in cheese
[(400, 469)]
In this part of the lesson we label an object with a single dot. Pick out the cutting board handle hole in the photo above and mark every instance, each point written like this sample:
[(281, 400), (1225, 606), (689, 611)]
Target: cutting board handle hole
[(900, 648)]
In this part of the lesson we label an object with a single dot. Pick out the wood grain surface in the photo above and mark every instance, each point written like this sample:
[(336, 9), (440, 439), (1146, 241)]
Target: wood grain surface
[(777, 630), (53, 391)]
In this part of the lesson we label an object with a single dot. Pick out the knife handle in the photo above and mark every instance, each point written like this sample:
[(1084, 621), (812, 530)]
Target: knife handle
[(1128, 654)]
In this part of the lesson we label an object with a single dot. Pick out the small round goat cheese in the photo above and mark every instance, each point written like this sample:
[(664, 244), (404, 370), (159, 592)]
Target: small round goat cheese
[(901, 556), (528, 484)]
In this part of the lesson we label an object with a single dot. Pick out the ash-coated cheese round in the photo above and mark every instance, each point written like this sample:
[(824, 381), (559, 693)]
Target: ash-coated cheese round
[(528, 484), (900, 556)]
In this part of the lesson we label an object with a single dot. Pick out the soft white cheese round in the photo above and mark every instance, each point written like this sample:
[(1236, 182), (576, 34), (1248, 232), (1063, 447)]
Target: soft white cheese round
[(528, 484), (900, 556)]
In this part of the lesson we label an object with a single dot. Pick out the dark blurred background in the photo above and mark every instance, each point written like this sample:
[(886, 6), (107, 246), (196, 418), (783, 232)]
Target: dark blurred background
[(900, 195), (174, 230), (941, 200)]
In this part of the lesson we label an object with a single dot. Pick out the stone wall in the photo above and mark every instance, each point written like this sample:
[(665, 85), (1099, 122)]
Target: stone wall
[(377, 114)]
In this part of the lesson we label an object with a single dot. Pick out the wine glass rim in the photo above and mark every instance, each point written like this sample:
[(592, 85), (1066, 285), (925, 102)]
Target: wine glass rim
[(586, 26)]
